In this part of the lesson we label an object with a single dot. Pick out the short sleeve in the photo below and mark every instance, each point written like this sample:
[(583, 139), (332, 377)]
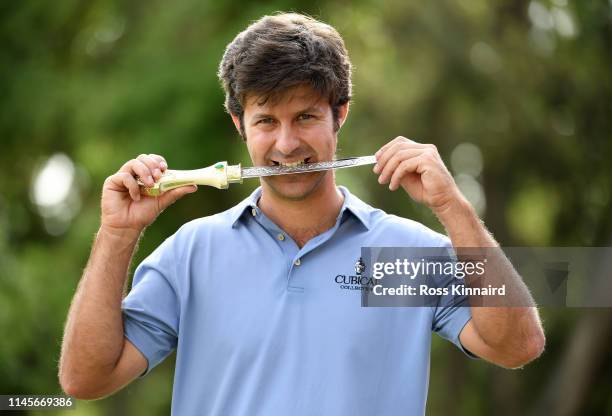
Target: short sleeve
[(451, 315), (151, 309)]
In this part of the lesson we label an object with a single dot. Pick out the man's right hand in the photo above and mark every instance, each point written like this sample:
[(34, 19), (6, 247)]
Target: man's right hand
[(125, 210)]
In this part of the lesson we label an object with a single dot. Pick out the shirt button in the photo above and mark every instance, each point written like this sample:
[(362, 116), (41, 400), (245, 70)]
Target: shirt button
[(280, 236), (297, 262), (254, 212)]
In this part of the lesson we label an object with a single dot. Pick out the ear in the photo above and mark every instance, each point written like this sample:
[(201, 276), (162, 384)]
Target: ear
[(342, 114), (236, 121)]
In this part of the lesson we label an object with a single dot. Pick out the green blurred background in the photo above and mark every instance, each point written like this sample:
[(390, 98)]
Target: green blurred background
[(516, 95)]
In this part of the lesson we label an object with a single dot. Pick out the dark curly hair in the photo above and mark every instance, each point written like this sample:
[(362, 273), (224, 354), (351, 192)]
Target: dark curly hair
[(283, 51)]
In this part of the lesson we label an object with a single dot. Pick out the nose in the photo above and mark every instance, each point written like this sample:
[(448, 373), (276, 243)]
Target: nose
[(287, 141)]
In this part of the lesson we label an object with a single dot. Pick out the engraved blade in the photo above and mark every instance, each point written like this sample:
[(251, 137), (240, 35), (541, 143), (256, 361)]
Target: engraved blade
[(259, 171)]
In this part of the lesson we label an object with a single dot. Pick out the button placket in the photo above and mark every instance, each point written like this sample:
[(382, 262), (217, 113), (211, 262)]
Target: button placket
[(289, 248), (293, 279)]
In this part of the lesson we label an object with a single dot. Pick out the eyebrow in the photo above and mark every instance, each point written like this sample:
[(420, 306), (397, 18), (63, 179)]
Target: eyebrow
[(311, 109), (261, 115)]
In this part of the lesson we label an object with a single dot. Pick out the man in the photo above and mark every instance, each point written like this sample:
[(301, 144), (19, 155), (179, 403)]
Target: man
[(247, 297)]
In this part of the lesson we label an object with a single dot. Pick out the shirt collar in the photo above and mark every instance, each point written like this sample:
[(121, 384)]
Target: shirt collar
[(249, 203), (351, 203), (357, 207)]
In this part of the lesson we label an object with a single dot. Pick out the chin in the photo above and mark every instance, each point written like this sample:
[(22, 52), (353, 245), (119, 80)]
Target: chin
[(295, 187)]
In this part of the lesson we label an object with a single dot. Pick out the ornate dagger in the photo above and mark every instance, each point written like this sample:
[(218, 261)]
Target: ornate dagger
[(220, 175)]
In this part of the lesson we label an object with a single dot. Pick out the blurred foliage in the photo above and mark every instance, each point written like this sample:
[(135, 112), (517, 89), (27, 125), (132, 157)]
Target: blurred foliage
[(528, 83)]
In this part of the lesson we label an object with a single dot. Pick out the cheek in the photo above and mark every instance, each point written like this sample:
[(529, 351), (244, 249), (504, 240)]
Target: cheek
[(322, 137), (330, 142), (257, 143)]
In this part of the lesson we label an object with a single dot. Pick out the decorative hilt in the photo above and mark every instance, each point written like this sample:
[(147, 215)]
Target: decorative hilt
[(219, 175)]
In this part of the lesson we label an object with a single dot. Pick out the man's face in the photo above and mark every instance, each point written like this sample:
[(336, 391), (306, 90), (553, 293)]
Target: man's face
[(296, 128)]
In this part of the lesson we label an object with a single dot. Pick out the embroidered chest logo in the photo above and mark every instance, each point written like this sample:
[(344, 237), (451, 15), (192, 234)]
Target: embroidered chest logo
[(359, 267), (355, 281)]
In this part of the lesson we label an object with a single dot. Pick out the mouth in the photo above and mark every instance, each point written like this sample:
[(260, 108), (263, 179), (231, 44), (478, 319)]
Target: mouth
[(292, 163)]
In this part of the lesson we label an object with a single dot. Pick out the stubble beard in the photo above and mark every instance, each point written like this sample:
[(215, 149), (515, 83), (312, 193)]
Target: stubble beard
[(311, 188)]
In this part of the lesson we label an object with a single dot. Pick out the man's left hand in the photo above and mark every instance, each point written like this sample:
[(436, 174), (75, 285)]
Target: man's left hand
[(419, 169)]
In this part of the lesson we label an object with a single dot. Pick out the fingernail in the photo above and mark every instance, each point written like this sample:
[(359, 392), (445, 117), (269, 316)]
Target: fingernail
[(157, 173), (150, 180), (375, 169), (163, 165)]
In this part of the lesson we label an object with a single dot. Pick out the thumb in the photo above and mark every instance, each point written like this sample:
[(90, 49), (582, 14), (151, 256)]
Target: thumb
[(170, 197)]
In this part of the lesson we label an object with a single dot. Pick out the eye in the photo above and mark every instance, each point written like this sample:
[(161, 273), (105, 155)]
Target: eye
[(305, 116), (267, 120)]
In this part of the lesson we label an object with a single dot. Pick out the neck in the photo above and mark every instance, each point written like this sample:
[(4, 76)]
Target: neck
[(317, 212)]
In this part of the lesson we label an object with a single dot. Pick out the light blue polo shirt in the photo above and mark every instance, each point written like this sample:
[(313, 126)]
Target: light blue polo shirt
[(262, 327)]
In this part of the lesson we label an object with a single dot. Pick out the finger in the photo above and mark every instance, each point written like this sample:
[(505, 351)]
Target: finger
[(162, 161), (395, 160), (390, 148), (153, 165), (136, 168), (123, 181), (386, 146), (406, 167), (170, 197), (384, 157), (398, 139)]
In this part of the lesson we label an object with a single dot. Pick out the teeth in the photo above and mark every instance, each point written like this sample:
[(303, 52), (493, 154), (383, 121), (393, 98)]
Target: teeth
[(292, 164)]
